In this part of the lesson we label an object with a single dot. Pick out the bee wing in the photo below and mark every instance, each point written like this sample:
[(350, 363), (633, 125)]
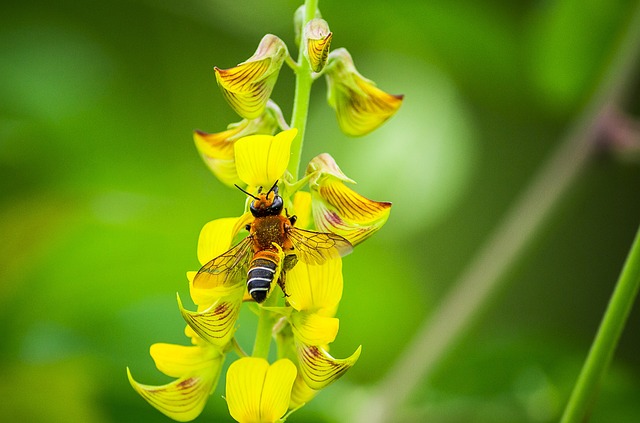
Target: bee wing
[(227, 269), (317, 247)]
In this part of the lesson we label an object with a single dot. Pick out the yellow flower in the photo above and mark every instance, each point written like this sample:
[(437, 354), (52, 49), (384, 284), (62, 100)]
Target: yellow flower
[(314, 292), (197, 369), (360, 106), (319, 368), (217, 150), (257, 392), (248, 86), (339, 209), (261, 160), (317, 38), (218, 304)]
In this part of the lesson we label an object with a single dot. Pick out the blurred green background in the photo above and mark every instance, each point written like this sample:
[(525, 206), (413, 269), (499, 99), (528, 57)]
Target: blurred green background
[(103, 196)]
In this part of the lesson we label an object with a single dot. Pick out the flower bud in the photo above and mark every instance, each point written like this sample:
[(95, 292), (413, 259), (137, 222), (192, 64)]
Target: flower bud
[(298, 22), (360, 106), (248, 86), (317, 38)]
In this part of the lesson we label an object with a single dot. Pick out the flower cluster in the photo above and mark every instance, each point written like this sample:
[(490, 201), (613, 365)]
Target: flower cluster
[(254, 154)]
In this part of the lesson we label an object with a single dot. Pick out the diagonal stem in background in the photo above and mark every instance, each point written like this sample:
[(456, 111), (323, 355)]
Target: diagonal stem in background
[(483, 275), (606, 340)]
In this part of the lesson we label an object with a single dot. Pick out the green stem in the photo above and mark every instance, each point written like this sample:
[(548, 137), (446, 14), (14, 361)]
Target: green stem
[(606, 339), (264, 332), (302, 95)]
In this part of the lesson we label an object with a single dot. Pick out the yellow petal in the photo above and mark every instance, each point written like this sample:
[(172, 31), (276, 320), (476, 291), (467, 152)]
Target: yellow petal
[(182, 400), (248, 86), (218, 145), (197, 370), (217, 150), (261, 160), (216, 324), (312, 287), (257, 392), (314, 329), (301, 393), (339, 209), (302, 209), (319, 368), (276, 394), (216, 236), (360, 106), (178, 360), (224, 170), (324, 165), (318, 39), (245, 380)]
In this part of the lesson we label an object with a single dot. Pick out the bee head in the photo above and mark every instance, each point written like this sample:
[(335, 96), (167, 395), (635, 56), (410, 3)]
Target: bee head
[(265, 204)]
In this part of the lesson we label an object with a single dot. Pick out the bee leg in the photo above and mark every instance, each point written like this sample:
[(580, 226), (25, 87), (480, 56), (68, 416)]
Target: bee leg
[(290, 260), (281, 284), (293, 219)]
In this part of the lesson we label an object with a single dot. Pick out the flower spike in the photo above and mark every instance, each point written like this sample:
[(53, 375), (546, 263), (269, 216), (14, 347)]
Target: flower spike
[(360, 106), (339, 209), (248, 86), (317, 38)]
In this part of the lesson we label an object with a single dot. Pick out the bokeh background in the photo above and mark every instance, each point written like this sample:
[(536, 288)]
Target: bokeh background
[(103, 195)]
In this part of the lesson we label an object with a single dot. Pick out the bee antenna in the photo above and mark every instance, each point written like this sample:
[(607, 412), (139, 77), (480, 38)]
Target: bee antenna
[(274, 187), (248, 193)]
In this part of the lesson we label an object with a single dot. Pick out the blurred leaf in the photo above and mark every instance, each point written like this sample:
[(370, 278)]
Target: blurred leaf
[(570, 46)]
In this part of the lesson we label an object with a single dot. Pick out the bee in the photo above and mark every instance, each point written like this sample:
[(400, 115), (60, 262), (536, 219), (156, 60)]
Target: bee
[(257, 258)]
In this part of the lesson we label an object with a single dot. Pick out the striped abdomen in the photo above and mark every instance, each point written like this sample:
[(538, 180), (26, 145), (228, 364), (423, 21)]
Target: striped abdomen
[(262, 271)]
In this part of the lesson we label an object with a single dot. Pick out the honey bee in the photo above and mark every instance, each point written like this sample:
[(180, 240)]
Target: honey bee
[(257, 258)]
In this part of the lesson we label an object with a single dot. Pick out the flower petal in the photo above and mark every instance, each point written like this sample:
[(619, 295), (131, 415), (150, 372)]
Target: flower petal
[(277, 390), (257, 392), (218, 145), (197, 369), (248, 86), (360, 106), (324, 165), (339, 209), (314, 329), (312, 287), (179, 360), (217, 150), (319, 368), (216, 236), (302, 209), (301, 393), (216, 324), (224, 170), (245, 380), (261, 159)]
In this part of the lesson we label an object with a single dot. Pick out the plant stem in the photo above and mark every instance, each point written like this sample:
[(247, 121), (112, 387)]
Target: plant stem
[(472, 291), (302, 95), (606, 340), (262, 344)]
